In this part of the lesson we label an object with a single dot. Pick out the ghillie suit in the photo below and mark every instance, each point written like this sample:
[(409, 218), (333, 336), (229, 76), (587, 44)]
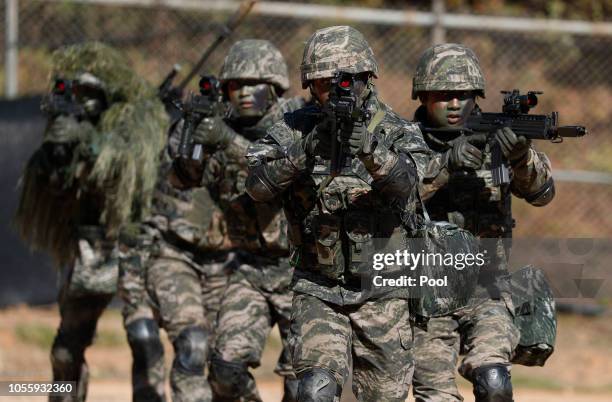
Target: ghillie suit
[(117, 157), (93, 173)]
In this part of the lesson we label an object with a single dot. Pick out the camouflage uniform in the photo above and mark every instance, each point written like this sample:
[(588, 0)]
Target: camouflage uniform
[(251, 235), (469, 199), (69, 204), (334, 319), (166, 256), (139, 321)]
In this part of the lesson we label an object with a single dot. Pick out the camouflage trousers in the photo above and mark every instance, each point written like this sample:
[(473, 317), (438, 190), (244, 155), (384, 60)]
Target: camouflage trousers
[(247, 315), (88, 286), (185, 301), (485, 333), (139, 321), (375, 335)]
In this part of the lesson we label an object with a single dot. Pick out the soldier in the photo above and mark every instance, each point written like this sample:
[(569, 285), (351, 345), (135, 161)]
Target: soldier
[(139, 316), (458, 183), (331, 217), (251, 235), (93, 174)]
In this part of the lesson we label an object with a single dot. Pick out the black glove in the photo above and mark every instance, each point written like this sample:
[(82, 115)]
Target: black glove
[(464, 155), (360, 141), (512, 146), (213, 133)]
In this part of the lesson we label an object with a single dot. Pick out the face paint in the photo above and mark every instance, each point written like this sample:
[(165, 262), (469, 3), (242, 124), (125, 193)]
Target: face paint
[(248, 99), (449, 108), (319, 89)]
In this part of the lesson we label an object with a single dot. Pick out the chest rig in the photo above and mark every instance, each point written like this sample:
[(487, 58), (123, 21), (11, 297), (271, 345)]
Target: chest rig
[(471, 201), (346, 218)]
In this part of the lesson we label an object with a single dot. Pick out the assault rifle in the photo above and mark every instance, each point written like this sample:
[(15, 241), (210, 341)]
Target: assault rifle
[(342, 111), (515, 116), (170, 94), (63, 101), (208, 103)]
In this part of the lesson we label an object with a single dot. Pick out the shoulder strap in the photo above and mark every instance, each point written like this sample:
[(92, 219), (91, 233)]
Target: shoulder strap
[(378, 117)]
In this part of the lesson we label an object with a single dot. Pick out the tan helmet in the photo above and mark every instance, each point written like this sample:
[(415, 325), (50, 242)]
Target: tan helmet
[(256, 59), (448, 67), (337, 48)]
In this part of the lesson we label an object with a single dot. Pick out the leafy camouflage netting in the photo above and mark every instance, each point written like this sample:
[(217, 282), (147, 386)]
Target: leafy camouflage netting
[(117, 159)]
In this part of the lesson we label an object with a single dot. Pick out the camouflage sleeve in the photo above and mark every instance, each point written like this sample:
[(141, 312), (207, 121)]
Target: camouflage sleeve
[(214, 165), (393, 170), (532, 179), (436, 175), (274, 162), (413, 143)]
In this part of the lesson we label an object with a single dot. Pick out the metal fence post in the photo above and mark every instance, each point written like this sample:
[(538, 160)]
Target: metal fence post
[(438, 30), (11, 38)]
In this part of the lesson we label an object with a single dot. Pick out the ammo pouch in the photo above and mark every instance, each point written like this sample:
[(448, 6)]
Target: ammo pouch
[(534, 316), (330, 260), (96, 268), (444, 239)]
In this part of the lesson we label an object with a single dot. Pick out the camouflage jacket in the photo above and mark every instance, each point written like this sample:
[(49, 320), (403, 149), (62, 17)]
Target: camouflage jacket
[(216, 216), (469, 199), (333, 220)]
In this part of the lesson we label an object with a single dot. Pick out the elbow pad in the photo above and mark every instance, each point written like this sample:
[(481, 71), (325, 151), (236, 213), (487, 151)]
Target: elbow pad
[(258, 184), (544, 195)]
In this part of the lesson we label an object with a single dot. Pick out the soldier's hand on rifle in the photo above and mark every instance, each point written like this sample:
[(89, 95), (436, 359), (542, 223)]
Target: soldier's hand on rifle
[(512, 146), (212, 133), (464, 155), (360, 141)]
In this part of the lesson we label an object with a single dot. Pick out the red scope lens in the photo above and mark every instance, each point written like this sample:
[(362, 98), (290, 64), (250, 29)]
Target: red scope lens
[(60, 87)]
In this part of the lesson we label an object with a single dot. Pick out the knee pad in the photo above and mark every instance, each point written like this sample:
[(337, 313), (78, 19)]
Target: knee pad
[(191, 349), (228, 379), (492, 384), (290, 391), (317, 385), (67, 355), (143, 337)]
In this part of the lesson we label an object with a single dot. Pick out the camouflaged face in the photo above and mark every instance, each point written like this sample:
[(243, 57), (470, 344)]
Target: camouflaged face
[(337, 48), (448, 67), (106, 64), (255, 59)]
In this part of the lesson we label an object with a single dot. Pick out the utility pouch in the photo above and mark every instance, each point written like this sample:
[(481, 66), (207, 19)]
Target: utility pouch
[(328, 244), (360, 231)]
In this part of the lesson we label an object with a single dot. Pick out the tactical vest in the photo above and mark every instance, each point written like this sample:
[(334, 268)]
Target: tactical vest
[(220, 216), (337, 234), (471, 201)]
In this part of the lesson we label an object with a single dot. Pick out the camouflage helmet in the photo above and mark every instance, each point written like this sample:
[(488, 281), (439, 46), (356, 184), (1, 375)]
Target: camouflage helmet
[(256, 59), (97, 62), (448, 67), (337, 48)]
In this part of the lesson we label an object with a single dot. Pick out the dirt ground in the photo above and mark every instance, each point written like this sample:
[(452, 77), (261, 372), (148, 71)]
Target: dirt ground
[(579, 370)]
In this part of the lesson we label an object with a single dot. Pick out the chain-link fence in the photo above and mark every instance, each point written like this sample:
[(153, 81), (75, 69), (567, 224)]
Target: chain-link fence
[(574, 72)]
